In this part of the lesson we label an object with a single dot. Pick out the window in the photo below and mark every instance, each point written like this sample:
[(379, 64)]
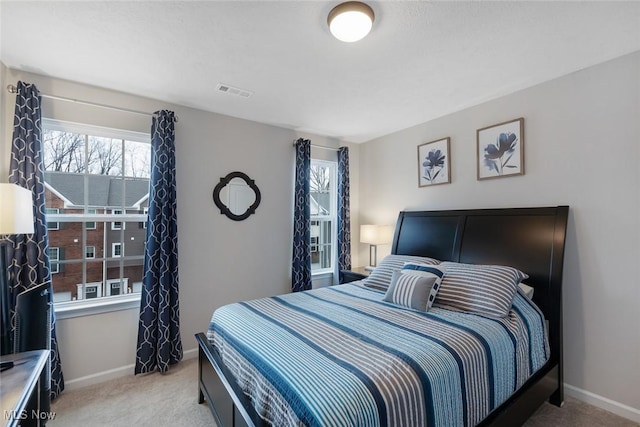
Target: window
[(91, 225), (117, 225), (90, 252), (54, 257), (116, 250), (117, 287), (93, 174), (52, 225), (91, 291), (323, 189), (146, 212), (112, 287)]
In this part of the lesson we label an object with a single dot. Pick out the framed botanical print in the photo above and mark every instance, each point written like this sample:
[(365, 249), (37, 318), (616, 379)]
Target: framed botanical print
[(500, 150), (434, 163)]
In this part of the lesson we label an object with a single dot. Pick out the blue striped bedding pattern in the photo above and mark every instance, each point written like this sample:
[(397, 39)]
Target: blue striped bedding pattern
[(341, 356)]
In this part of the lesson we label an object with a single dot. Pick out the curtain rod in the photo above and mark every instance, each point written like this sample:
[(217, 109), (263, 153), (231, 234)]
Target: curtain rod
[(13, 89), (320, 146)]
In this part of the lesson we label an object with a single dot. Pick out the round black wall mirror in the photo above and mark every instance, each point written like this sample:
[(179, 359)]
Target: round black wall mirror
[(237, 196)]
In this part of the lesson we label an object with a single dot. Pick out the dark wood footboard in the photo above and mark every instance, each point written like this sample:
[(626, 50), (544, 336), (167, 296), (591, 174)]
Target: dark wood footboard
[(521, 405), (216, 386)]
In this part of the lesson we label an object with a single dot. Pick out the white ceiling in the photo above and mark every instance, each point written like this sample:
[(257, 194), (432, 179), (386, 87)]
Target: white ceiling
[(422, 59)]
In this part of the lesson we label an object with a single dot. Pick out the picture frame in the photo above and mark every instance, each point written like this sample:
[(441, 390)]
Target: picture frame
[(500, 150), (434, 163)]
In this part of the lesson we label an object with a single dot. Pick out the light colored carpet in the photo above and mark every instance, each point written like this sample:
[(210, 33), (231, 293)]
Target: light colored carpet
[(172, 400), (576, 413), (155, 399)]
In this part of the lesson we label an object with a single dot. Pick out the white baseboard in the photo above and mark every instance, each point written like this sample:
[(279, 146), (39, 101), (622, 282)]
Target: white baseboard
[(190, 354), (111, 374), (601, 402)]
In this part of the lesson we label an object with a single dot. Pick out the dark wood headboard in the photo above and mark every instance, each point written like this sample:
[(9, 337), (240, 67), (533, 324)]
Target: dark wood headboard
[(529, 239)]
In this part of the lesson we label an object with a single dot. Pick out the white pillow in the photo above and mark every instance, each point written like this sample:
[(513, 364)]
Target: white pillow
[(482, 289), (380, 277), (526, 289)]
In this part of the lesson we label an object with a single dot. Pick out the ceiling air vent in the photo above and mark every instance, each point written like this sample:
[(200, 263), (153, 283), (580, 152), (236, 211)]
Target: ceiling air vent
[(244, 93)]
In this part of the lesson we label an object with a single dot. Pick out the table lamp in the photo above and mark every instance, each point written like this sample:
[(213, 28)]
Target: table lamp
[(16, 217), (375, 235)]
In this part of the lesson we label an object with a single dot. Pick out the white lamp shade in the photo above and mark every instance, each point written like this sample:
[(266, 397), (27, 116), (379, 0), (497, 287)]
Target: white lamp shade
[(16, 210), (350, 21), (376, 234)]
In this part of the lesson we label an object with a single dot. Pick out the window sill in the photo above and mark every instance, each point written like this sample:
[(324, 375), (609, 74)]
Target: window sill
[(322, 274), (71, 309), (322, 279)]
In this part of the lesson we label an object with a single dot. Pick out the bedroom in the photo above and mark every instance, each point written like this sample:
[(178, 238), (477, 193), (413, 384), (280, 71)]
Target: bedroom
[(575, 122)]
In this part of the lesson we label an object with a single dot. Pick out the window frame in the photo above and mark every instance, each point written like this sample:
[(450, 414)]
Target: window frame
[(85, 290), (115, 245), (57, 223), (82, 307), (123, 285), (332, 217), (54, 261), (145, 211), (95, 224), (86, 253), (113, 223)]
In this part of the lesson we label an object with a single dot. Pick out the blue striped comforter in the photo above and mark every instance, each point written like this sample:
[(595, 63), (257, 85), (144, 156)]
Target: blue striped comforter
[(340, 356)]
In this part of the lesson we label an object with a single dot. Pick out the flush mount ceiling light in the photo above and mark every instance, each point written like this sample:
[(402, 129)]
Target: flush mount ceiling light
[(350, 21)]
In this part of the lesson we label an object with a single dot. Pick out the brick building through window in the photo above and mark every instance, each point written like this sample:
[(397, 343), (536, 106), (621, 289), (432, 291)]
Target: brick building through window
[(82, 236)]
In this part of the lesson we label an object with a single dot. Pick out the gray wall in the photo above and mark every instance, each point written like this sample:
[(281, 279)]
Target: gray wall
[(582, 148), (221, 261)]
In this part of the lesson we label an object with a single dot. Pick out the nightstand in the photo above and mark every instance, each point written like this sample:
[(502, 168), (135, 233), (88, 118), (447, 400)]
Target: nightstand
[(354, 274)]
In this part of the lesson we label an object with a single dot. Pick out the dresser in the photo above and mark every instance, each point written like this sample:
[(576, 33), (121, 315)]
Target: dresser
[(20, 388)]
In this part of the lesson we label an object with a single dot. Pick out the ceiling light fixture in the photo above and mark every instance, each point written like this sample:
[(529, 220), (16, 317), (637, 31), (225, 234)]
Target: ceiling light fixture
[(350, 21)]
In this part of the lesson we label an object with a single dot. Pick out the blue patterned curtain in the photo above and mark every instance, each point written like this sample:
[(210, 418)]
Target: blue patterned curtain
[(159, 343), (344, 214), (28, 252), (301, 263)]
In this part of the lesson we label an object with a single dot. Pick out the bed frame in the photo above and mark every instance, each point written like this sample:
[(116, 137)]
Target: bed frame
[(530, 239)]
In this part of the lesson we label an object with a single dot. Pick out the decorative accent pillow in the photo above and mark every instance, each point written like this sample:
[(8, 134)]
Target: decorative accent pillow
[(413, 291), (482, 289), (380, 277), (426, 270)]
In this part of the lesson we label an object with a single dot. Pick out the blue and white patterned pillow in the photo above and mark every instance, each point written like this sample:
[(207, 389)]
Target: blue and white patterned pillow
[(425, 270), (380, 277), (416, 291), (483, 289)]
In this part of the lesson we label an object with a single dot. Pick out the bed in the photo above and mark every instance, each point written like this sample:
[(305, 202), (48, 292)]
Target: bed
[(530, 240)]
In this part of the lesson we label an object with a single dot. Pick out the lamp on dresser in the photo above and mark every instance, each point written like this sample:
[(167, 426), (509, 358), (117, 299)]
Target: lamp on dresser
[(375, 235), (16, 217)]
